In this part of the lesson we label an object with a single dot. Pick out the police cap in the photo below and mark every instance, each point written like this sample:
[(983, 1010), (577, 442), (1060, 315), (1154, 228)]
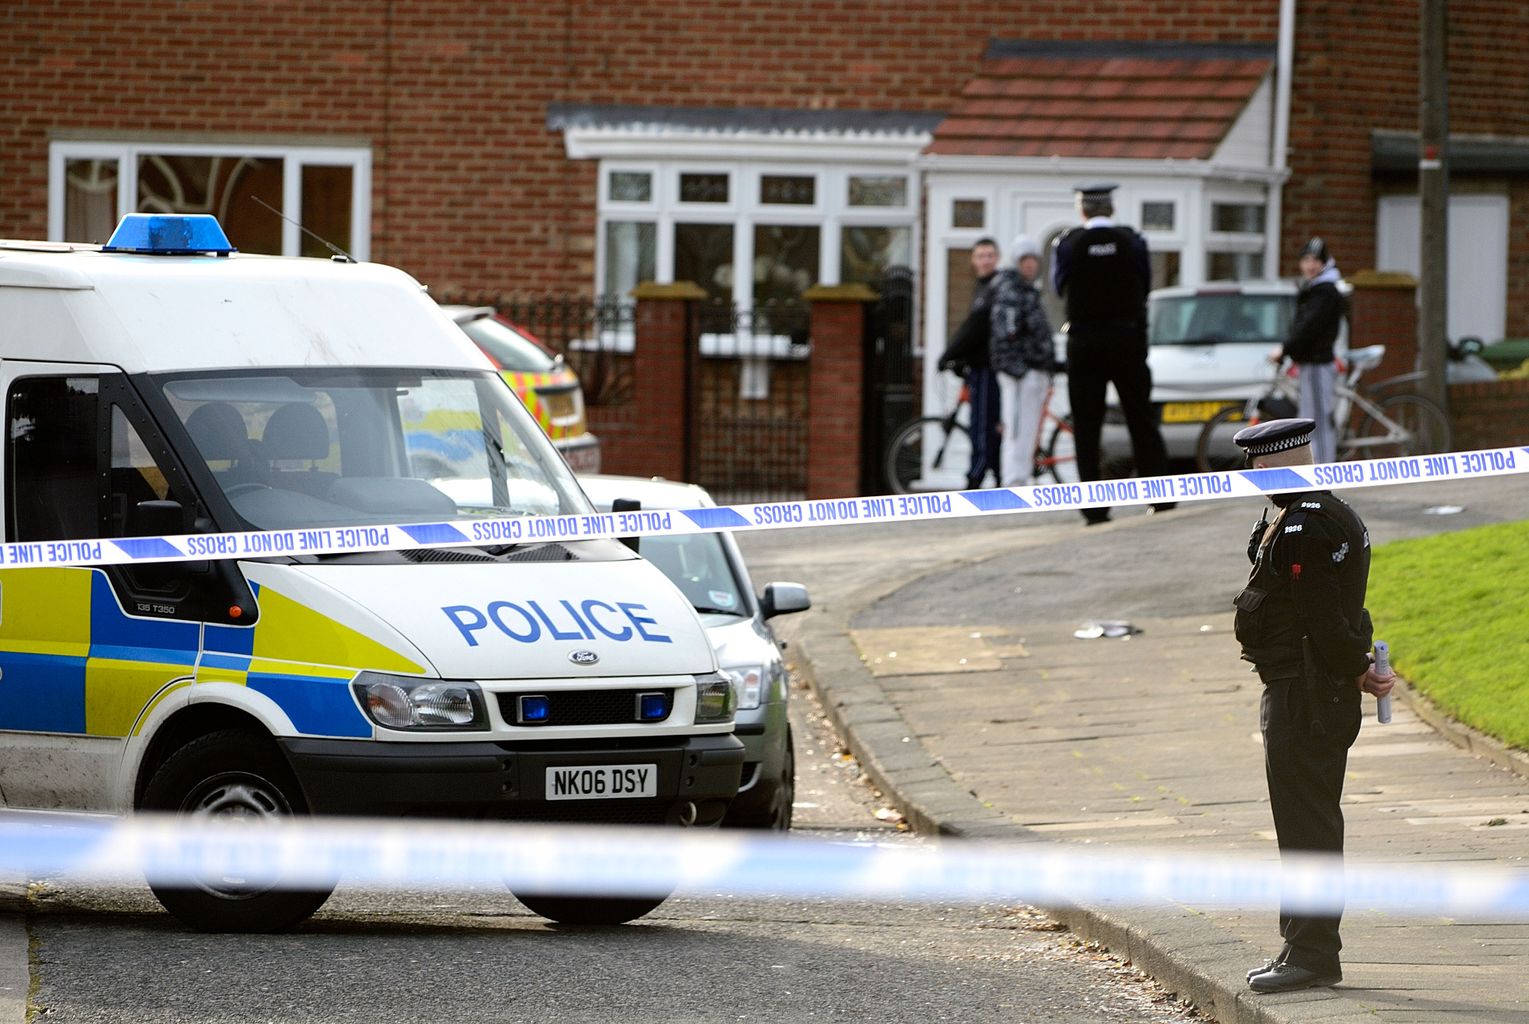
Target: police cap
[(1275, 436), (1096, 189)]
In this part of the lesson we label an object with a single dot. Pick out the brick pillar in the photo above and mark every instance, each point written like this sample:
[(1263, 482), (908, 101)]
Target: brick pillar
[(835, 388), (1383, 311), (659, 441)]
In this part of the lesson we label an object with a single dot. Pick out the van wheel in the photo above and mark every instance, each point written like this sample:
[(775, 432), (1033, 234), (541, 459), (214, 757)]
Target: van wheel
[(589, 910), (230, 775)]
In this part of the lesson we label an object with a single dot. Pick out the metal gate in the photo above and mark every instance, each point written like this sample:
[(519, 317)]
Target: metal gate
[(888, 374), (749, 401)]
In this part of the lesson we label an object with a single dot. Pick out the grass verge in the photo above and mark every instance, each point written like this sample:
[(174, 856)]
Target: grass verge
[(1455, 609)]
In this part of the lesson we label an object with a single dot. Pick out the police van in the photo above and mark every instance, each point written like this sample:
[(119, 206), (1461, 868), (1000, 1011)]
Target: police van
[(165, 385)]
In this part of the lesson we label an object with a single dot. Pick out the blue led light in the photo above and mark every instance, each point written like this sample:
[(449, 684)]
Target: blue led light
[(534, 709), (652, 707), (170, 234)]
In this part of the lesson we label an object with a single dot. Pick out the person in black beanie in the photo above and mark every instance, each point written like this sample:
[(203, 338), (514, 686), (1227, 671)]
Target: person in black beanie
[(1319, 313)]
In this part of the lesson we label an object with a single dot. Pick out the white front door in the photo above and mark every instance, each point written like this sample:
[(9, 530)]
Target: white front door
[(1478, 257)]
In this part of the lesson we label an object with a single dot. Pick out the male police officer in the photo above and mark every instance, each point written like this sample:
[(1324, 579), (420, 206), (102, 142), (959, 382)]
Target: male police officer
[(1301, 621), (1103, 271)]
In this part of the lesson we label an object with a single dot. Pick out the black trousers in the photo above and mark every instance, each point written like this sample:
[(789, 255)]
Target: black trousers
[(1307, 735), (1096, 358), (982, 392)]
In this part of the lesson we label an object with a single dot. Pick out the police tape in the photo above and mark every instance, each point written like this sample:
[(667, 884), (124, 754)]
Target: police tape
[(645, 861), (894, 508)]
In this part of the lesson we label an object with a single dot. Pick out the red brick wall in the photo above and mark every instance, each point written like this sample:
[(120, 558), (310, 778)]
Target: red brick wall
[(1356, 70), (471, 192), (1490, 414), (835, 391), (1383, 311)]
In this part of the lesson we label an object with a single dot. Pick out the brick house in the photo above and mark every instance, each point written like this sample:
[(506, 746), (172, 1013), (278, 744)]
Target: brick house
[(519, 147)]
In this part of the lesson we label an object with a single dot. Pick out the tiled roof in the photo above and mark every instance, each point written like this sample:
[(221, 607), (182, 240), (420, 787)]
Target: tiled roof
[(1102, 99)]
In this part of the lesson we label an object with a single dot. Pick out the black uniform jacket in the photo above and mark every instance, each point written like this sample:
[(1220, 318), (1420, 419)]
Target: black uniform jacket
[(1311, 567)]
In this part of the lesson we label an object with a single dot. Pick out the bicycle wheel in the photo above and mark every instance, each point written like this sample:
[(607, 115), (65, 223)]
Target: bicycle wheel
[(904, 463), (1056, 458), (1214, 451), (1424, 425)]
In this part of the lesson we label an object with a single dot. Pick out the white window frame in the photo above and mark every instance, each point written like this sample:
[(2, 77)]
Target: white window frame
[(1238, 242), (126, 154), (830, 211)]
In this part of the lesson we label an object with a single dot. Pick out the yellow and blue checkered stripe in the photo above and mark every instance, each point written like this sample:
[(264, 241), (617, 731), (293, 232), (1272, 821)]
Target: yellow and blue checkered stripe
[(73, 662)]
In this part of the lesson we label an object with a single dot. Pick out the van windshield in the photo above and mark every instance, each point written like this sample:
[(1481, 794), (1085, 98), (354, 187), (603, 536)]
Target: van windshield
[(1212, 318), (325, 447)]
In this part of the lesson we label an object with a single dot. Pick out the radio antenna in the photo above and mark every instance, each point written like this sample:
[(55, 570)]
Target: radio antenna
[(347, 257)]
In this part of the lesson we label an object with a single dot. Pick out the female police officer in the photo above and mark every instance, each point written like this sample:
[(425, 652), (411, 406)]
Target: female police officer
[(1301, 621)]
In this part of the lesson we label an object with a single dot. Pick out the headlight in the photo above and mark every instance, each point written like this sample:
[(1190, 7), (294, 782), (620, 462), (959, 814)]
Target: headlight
[(748, 685), (404, 702), (714, 699)]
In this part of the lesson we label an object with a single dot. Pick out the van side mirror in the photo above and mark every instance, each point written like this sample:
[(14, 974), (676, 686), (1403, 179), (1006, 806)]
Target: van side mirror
[(628, 505), (784, 598), (158, 518)]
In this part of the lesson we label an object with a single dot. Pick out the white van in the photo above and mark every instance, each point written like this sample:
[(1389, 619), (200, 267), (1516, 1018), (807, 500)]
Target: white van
[(164, 385)]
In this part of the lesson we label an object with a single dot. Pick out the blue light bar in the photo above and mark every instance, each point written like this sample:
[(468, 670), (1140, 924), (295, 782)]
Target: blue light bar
[(534, 709), (652, 707), (170, 234)]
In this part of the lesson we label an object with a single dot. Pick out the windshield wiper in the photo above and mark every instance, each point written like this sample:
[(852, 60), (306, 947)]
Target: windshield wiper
[(703, 609)]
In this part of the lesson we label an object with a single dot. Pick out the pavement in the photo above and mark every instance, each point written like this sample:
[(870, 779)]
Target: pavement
[(946, 654)]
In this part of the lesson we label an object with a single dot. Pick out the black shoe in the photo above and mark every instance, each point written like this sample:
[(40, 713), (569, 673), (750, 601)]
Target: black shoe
[(1267, 965), (1162, 506), (1094, 518), (1288, 977)]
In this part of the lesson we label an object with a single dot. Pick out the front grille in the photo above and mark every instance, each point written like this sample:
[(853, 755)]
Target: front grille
[(444, 555), (585, 707), (541, 553)]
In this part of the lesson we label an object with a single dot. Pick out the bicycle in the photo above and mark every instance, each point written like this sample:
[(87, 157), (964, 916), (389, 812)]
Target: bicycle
[(1394, 426), (904, 460)]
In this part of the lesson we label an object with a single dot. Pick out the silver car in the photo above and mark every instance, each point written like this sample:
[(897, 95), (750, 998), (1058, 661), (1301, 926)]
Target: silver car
[(709, 571)]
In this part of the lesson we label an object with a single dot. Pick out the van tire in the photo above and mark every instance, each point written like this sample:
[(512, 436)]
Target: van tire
[(589, 910), (230, 773)]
